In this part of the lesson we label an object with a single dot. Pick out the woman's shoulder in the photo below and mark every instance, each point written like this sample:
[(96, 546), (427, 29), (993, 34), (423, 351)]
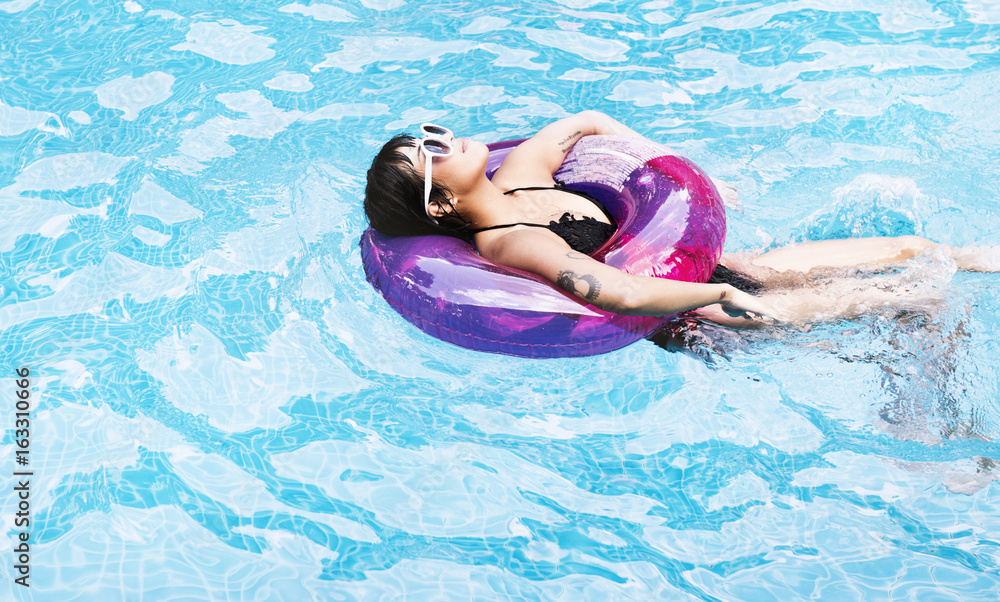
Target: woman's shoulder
[(521, 170), (499, 245), (515, 178), (529, 164)]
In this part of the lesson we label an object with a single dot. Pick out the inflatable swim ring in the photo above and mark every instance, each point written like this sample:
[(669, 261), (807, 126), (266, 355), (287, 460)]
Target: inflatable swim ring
[(671, 224)]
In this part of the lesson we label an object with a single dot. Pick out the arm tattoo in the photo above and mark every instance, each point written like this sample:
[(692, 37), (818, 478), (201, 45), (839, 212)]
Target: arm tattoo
[(568, 280), (567, 142)]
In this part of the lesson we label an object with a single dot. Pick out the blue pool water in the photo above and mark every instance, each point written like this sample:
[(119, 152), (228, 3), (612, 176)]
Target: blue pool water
[(225, 410)]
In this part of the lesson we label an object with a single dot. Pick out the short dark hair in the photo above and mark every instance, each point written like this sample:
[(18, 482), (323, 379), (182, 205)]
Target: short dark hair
[(394, 196)]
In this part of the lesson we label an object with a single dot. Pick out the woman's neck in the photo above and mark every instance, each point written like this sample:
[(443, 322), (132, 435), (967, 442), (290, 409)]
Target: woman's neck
[(487, 205), (493, 207)]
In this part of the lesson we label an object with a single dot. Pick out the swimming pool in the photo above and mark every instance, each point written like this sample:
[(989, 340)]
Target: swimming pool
[(225, 409)]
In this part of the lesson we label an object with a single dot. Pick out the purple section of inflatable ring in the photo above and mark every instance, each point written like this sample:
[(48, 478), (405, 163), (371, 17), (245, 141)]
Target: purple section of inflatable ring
[(671, 225)]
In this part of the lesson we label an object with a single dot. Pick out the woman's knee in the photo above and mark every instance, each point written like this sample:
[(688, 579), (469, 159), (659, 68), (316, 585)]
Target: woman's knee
[(917, 243), (912, 245)]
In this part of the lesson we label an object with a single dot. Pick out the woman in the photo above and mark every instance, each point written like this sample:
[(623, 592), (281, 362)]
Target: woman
[(523, 219)]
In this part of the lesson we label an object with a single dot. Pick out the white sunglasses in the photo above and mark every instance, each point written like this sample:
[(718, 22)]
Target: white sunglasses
[(434, 144)]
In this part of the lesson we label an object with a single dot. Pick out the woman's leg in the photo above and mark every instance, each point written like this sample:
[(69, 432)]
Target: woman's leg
[(809, 282), (845, 253), (856, 252), (832, 299), (848, 298)]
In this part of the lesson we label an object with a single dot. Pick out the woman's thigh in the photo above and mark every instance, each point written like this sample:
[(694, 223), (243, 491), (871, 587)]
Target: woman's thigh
[(843, 253)]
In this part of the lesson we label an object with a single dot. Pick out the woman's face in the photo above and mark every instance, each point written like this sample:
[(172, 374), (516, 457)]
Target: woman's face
[(460, 172)]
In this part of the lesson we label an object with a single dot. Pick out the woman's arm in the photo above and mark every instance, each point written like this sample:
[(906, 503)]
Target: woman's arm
[(610, 288), (536, 159)]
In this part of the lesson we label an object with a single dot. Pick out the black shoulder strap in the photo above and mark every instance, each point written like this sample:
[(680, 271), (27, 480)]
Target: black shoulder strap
[(478, 230), (561, 186)]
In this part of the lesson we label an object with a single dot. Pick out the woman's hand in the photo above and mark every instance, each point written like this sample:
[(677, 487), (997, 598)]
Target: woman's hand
[(730, 196), (738, 310), (738, 304), (544, 253)]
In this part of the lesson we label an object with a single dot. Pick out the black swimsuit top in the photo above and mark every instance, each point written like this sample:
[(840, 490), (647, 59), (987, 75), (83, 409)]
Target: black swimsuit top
[(584, 235)]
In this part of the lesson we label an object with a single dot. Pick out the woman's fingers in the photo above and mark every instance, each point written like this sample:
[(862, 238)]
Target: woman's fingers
[(730, 196), (746, 306)]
